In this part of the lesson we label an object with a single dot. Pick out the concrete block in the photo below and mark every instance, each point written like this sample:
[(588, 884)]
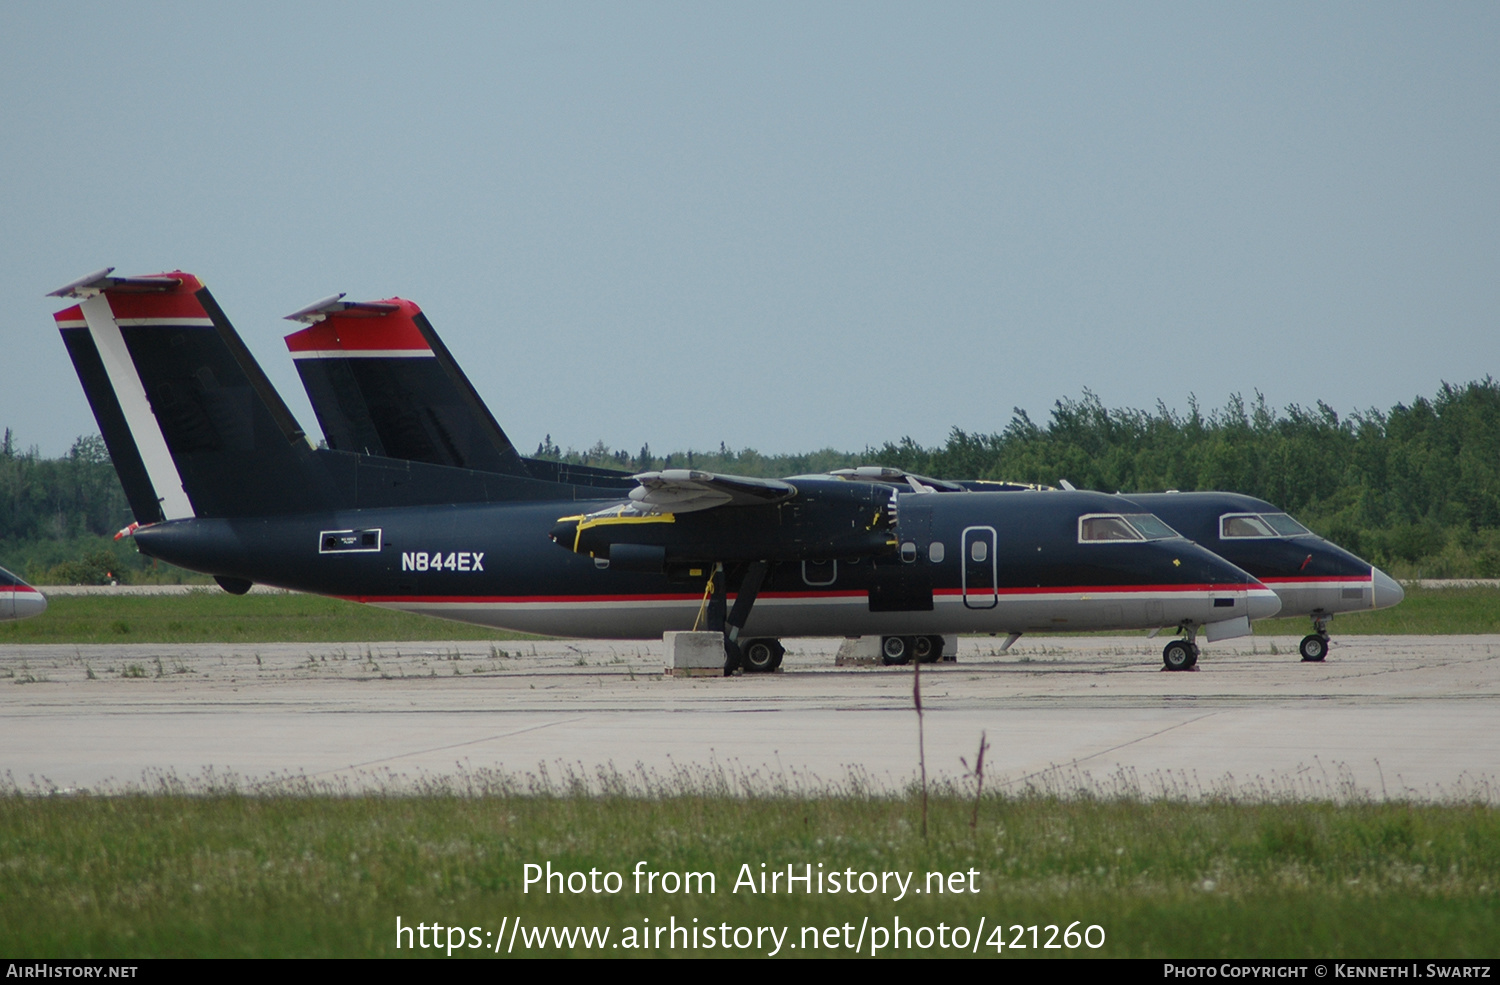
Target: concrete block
[(950, 649), (858, 651), (694, 654)]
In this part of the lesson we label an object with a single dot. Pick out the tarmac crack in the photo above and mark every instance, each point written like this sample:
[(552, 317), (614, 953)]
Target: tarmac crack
[(1131, 742), (452, 745)]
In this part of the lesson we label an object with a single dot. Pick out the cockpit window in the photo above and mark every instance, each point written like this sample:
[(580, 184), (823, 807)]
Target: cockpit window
[(1244, 525), (1260, 525), (1151, 526), (1285, 525), (1106, 528), (1102, 528)]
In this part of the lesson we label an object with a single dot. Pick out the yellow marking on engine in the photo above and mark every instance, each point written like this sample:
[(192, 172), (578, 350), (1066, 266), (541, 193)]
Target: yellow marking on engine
[(588, 523)]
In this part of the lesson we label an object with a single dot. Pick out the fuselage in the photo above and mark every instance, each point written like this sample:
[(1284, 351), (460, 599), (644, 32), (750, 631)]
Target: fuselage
[(980, 562)]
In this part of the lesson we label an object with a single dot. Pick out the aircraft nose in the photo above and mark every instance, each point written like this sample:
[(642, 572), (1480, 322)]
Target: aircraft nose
[(1263, 603), (1387, 590), (30, 604)]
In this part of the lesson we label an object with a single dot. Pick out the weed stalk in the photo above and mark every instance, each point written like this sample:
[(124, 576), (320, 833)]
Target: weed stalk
[(916, 695)]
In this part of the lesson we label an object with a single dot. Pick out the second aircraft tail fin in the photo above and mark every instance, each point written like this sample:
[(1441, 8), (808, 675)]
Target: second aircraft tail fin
[(382, 383)]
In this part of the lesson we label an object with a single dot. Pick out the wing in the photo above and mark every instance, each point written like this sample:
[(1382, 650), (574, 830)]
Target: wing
[(687, 491), (682, 516), (897, 477)]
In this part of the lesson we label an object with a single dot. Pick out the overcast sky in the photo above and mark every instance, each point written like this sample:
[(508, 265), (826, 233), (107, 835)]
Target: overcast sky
[(782, 226)]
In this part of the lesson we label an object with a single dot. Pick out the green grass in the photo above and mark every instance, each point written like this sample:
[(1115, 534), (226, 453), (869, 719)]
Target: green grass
[(212, 615), (223, 874), (1424, 612)]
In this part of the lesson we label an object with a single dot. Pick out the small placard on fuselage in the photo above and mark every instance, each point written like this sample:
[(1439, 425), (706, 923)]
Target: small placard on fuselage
[(348, 541)]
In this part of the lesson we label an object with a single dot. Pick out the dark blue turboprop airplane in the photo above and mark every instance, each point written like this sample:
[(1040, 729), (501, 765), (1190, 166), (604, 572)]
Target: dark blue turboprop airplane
[(382, 382), (222, 480)]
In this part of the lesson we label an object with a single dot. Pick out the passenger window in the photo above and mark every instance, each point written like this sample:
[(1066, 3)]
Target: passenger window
[(935, 552), (908, 552)]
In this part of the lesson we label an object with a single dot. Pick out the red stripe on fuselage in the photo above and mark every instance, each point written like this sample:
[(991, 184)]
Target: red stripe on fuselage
[(697, 596)]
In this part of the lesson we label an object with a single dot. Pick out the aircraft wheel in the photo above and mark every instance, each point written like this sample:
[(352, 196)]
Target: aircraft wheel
[(1314, 647), (895, 650), (1179, 655), (927, 649), (762, 656)]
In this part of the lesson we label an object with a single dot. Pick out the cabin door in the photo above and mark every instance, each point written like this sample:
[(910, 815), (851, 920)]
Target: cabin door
[(981, 571)]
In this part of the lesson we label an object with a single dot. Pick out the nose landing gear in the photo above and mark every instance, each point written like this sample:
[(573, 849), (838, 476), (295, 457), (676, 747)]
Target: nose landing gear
[(1314, 646), (1181, 654)]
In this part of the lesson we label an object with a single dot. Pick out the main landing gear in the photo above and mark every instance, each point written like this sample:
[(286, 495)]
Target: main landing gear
[(761, 656), (1182, 654), (1314, 646), (896, 650), (753, 656)]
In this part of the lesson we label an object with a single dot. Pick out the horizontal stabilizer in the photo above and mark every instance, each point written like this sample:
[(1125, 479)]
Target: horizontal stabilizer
[(319, 310), (100, 281)]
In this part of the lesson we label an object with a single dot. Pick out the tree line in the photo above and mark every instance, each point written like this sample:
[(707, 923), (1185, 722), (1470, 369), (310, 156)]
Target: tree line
[(1415, 489)]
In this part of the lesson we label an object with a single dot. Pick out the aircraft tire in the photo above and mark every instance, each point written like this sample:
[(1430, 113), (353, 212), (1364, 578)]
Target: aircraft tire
[(895, 650), (927, 649), (761, 656), (1314, 647), (1179, 655)]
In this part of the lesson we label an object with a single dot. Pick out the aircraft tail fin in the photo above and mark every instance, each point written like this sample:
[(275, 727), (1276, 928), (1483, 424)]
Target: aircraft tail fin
[(382, 383), (192, 423)]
